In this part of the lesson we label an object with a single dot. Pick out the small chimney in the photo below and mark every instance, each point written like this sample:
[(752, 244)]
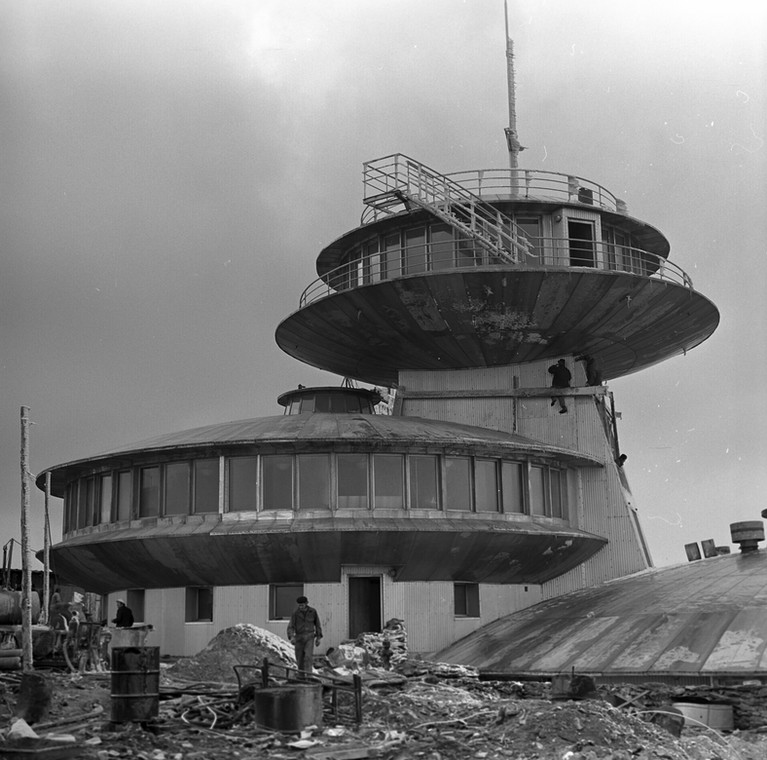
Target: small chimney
[(692, 551), (748, 534)]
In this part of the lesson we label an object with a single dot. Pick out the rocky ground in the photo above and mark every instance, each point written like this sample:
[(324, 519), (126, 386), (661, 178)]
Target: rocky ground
[(420, 710)]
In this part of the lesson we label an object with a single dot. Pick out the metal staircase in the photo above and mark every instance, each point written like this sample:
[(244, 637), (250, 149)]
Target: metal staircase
[(398, 181)]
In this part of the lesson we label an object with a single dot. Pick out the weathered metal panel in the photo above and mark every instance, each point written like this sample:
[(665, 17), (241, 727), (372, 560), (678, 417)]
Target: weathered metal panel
[(423, 545), (495, 317), (704, 617), (743, 643)]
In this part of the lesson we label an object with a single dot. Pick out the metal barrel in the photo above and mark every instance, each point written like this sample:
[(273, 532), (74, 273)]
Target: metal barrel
[(135, 684), (288, 708), (11, 606)]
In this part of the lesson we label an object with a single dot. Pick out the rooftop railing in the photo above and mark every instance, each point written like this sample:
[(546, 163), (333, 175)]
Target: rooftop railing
[(522, 184), (554, 253)]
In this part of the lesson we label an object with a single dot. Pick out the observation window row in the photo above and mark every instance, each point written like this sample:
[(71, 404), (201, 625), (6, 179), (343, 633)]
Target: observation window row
[(318, 481), (435, 247)]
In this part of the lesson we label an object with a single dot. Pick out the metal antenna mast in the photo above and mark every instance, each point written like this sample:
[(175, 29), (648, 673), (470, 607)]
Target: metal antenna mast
[(511, 131)]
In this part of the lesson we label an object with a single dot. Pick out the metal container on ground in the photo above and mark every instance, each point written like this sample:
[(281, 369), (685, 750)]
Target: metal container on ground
[(135, 684), (714, 716), (289, 708)]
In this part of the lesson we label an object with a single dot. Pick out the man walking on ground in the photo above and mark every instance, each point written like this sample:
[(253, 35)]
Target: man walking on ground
[(304, 632)]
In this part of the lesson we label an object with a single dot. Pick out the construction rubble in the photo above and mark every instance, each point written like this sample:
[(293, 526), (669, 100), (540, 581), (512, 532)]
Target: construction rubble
[(411, 708)]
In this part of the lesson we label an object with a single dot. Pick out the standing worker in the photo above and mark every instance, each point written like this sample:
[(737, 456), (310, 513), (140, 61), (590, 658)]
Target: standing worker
[(560, 378), (305, 632)]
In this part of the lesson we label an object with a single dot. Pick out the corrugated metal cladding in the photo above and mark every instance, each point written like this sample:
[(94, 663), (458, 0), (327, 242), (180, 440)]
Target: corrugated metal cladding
[(480, 378), (581, 428), (426, 608), (491, 413), (603, 503), (705, 618)]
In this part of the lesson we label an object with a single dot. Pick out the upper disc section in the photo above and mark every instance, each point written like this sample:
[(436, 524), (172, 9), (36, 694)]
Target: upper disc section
[(489, 268)]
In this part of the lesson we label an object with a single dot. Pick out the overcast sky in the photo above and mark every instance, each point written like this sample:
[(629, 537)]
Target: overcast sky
[(171, 168)]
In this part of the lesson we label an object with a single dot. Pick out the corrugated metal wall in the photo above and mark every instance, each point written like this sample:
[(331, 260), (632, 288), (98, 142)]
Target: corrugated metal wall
[(426, 608), (600, 503)]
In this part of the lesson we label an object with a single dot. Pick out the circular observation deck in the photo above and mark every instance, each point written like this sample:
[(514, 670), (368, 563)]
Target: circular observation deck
[(296, 497), (565, 272)]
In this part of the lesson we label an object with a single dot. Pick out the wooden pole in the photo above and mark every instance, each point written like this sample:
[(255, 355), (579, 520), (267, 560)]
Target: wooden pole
[(26, 589), (46, 616)]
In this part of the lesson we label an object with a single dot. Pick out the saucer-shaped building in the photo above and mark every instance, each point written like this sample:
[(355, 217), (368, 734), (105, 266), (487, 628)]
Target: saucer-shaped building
[(474, 492)]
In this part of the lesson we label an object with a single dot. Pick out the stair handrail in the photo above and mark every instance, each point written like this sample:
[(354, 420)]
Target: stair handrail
[(398, 179)]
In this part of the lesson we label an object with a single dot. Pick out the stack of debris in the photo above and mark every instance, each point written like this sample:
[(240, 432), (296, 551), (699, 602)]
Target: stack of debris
[(242, 644), (386, 649)]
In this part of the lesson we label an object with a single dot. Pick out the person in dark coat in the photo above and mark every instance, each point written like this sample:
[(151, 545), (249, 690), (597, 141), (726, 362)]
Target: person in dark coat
[(124, 616), (305, 632), (560, 378)]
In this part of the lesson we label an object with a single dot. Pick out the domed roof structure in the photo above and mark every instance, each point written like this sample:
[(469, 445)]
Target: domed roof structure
[(699, 621), (369, 431)]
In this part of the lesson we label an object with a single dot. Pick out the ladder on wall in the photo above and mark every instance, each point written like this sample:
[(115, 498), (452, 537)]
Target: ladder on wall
[(398, 181)]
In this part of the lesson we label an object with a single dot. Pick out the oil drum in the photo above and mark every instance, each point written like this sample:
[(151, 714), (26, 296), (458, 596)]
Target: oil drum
[(135, 692)]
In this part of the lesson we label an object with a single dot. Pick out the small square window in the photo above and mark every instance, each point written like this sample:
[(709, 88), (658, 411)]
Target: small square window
[(199, 604), (282, 599), (466, 597)]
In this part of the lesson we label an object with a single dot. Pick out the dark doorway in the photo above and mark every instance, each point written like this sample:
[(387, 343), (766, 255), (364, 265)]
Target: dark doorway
[(364, 604), (581, 236)]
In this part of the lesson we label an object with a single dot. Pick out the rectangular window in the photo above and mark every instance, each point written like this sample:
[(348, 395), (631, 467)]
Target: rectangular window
[(277, 475), (124, 495), (466, 599), (149, 492), (206, 486), (82, 504), (313, 481), (372, 262), (486, 485), (537, 491), (558, 484), (70, 508), (90, 502), (530, 226), (458, 483), (608, 246), (321, 402), (282, 599), (353, 481), (134, 598), (423, 482), (243, 484), (105, 498), (415, 251), (513, 492), (199, 604), (441, 246), (391, 261), (177, 488), (388, 473)]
